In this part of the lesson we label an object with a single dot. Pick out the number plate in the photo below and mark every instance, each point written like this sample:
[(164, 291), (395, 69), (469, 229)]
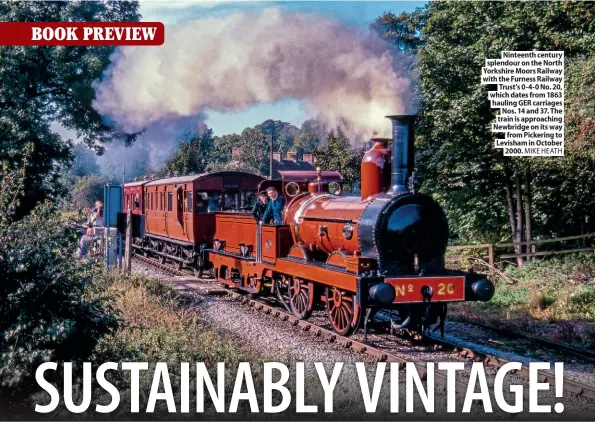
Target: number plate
[(445, 288)]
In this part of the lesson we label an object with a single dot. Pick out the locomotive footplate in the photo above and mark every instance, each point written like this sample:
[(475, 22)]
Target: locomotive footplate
[(442, 288)]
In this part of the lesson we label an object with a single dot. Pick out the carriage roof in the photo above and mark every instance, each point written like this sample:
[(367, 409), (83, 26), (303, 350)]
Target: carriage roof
[(224, 175)]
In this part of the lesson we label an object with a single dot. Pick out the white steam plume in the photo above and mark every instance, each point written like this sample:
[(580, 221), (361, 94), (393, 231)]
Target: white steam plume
[(229, 63)]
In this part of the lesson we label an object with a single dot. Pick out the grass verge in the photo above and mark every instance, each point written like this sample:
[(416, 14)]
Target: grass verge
[(553, 298), (158, 324)]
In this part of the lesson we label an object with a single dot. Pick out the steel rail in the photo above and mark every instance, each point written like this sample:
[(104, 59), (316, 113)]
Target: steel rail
[(381, 355), (577, 351)]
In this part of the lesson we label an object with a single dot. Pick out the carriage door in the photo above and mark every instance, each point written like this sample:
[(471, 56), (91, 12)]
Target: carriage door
[(179, 205), (188, 226), (166, 207)]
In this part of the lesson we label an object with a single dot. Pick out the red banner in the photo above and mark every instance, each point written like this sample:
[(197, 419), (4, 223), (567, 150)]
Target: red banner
[(82, 33)]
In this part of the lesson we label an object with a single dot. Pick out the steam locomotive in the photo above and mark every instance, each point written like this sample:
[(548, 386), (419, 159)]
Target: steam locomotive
[(355, 255)]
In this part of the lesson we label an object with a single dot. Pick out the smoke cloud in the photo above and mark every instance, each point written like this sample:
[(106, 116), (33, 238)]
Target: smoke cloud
[(229, 63)]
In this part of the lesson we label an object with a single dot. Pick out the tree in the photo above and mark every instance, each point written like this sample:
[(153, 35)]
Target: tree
[(337, 154), (253, 157), (86, 190), (283, 134), (133, 160), (84, 162), (402, 31), (43, 85), (192, 154), (222, 149), (483, 191), (48, 311)]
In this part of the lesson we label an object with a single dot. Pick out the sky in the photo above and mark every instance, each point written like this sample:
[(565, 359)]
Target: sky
[(358, 14)]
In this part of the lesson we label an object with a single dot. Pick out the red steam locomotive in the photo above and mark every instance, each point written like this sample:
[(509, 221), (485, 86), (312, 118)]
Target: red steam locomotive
[(355, 255)]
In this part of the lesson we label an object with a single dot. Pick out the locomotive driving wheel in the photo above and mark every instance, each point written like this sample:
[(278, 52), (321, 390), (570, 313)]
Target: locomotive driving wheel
[(343, 312), (301, 297)]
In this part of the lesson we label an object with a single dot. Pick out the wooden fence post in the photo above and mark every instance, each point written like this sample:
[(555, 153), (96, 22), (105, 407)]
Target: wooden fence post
[(491, 258), (128, 256)]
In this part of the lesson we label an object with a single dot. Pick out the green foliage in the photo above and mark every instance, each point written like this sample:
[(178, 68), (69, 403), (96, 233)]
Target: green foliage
[(192, 154), (86, 190), (552, 297), (134, 159), (454, 144), (84, 163), (284, 134), (47, 311), (198, 153), (222, 148), (338, 154), (161, 325), (580, 104), (254, 148), (402, 31), (44, 85)]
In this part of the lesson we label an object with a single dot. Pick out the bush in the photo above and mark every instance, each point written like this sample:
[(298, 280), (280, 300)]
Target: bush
[(48, 310), (86, 190)]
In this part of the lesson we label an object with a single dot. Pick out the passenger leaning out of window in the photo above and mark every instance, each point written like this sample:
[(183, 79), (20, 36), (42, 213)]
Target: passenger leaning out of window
[(274, 210)]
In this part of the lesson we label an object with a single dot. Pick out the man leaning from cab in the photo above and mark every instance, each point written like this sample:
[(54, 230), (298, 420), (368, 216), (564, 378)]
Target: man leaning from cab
[(274, 210)]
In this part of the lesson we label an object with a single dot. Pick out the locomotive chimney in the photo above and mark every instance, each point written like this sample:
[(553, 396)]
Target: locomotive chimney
[(402, 153)]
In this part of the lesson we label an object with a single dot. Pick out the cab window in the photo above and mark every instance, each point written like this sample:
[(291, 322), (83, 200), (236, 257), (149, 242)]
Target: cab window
[(207, 201), (230, 200)]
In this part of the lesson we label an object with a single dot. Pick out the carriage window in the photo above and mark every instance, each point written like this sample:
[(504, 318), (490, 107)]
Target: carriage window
[(207, 201), (180, 201), (230, 201), (189, 202), (202, 201), (248, 200), (170, 201), (136, 201)]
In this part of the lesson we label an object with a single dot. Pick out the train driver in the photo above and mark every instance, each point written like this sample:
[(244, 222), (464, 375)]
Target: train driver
[(260, 206), (274, 211)]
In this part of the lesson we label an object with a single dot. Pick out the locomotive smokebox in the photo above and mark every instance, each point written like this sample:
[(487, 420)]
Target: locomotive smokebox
[(402, 153)]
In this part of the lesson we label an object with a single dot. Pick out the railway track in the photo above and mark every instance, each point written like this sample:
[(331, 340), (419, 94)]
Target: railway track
[(379, 354), (587, 355)]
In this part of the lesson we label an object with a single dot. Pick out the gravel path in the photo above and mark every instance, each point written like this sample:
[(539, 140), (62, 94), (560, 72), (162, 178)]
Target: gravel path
[(274, 340)]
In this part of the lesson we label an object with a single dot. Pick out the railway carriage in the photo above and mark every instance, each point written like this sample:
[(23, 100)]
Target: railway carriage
[(134, 198), (180, 213)]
